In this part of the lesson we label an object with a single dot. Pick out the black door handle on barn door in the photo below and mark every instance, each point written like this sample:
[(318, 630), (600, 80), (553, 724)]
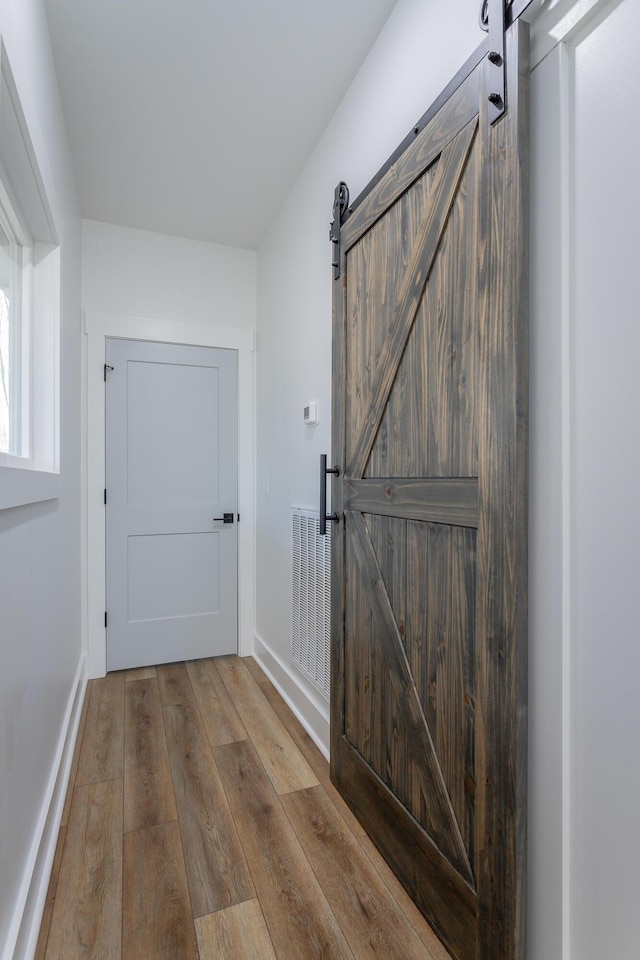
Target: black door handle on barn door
[(324, 516), (226, 518)]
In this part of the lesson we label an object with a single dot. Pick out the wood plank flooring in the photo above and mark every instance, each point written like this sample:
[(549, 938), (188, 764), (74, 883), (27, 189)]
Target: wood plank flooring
[(201, 824)]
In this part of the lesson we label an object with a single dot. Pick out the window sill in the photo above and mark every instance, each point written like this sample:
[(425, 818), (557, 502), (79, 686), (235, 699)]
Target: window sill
[(19, 487)]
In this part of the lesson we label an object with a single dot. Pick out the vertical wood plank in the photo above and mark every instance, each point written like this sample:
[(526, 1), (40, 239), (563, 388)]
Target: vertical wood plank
[(298, 916), (255, 670), (219, 715), (502, 526), (455, 721), (174, 684), (102, 750), (285, 765), (238, 932), (216, 868), (359, 673), (338, 446), (409, 910), (312, 755), (87, 914), (157, 919), (367, 913), (148, 792)]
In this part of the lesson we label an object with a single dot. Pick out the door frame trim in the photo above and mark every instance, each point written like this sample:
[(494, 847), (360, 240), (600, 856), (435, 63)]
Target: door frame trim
[(97, 328)]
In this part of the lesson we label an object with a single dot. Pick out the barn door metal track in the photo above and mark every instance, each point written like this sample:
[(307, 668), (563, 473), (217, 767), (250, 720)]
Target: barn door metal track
[(508, 11)]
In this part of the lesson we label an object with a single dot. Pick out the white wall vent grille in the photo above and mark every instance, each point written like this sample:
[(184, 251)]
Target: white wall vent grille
[(311, 570)]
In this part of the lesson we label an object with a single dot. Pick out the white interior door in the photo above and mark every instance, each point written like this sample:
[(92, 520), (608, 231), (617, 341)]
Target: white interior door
[(171, 476)]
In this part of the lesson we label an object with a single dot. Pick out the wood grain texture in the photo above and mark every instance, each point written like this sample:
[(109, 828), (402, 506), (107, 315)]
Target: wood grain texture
[(312, 755), (102, 751), (393, 755), (219, 715), (435, 627), (174, 684), (238, 932), (374, 283), (366, 911), (431, 409), (459, 110), (338, 431), (285, 765), (87, 913), (151, 887), (157, 919), (429, 594), (502, 531), (440, 643), (445, 186), (216, 867), (361, 671), (76, 755), (298, 916), (441, 822), (452, 501), (139, 673), (445, 900), (255, 670), (148, 792), (410, 911)]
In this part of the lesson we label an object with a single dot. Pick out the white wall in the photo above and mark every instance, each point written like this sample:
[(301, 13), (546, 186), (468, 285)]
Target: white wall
[(40, 636), (585, 520), (149, 286), (142, 274), (402, 75)]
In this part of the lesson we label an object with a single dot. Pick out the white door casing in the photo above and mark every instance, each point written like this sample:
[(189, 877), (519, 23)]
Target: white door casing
[(171, 469), (98, 327), (584, 520)]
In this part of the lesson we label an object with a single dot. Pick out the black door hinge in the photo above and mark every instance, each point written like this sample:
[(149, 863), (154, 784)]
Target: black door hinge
[(105, 619), (105, 495), (107, 366)]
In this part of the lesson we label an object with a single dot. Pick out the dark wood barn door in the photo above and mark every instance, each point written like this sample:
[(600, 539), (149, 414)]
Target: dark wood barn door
[(429, 556)]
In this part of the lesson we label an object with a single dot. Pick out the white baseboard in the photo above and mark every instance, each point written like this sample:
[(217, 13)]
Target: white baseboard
[(309, 707), (22, 938)]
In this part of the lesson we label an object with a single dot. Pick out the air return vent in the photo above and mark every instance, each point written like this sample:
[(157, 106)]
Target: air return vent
[(311, 570)]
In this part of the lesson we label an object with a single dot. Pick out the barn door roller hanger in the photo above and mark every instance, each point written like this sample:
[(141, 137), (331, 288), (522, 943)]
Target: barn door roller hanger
[(340, 204)]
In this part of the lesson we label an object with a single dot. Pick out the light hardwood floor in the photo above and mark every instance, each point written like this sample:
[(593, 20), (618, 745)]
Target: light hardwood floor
[(201, 824)]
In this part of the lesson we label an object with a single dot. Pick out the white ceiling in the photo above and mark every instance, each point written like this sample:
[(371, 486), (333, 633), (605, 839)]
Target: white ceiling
[(193, 117)]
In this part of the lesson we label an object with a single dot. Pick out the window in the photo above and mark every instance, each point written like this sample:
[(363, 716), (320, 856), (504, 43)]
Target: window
[(29, 312), (14, 334)]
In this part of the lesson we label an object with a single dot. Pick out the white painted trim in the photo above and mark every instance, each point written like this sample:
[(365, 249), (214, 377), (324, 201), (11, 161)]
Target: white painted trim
[(564, 100), (99, 326), (20, 487), (310, 709), (562, 22), (559, 31), (34, 205), (22, 938)]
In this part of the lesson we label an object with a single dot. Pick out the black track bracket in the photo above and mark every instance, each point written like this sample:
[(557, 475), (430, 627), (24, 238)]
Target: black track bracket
[(492, 19)]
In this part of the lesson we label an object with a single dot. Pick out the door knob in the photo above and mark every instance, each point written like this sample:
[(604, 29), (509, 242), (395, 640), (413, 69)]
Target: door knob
[(226, 518)]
